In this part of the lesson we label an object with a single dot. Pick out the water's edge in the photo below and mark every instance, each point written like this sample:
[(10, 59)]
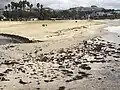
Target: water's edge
[(10, 38)]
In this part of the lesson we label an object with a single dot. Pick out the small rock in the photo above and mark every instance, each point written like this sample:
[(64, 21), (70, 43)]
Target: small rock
[(61, 88), (67, 72), (2, 74), (22, 82), (44, 59), (61, 51), (116, 56), (118, 49), (7, 71), (85, 67), (48, 81), (77, 77), (4, 79), (38, 88), (113, 70), (99, 78)]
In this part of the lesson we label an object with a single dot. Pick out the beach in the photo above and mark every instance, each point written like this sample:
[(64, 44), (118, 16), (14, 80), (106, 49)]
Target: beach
[(82, 55)]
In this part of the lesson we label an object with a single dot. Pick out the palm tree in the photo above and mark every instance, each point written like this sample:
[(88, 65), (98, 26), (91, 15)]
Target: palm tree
[(28, 4), (41, 6), (24, 4), (41, 11), (6, 8), (12, 3), (12, 7), (38, 5), (9, 7), (16, 5), (6, 12), (20, 5), (31, 5)]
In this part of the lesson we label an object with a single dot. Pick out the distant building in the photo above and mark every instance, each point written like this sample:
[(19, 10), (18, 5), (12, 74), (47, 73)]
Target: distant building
[(49, 9), (117, 11), (92, 8)]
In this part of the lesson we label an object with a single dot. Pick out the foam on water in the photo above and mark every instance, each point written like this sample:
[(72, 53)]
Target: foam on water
[(114, 35), (114, 29)]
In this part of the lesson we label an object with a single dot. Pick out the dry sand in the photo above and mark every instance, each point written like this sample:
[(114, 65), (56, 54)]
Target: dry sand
[(35, 30), (63, 61)]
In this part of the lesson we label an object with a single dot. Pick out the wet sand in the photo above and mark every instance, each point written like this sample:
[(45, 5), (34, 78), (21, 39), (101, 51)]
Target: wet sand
[(8, 38), (88, 61)]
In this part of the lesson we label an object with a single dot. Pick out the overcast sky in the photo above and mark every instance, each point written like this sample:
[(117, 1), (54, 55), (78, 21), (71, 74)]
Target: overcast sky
[(64, 4)]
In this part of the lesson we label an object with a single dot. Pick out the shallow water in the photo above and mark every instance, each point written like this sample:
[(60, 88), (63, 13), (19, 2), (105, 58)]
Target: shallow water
[(6, 40), (114, 29)]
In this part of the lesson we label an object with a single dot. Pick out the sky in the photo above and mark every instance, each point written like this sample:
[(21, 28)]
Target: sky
[(65, 4)]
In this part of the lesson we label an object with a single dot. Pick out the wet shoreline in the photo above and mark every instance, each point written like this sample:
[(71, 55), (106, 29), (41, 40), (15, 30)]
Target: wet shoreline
[(11, 39)]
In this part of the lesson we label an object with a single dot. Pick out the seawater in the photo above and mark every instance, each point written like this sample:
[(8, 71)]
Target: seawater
[(114, 35), (114, 29)]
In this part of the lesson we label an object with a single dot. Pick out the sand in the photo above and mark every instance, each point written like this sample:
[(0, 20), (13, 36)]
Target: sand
[(35, 30), (63, 61)]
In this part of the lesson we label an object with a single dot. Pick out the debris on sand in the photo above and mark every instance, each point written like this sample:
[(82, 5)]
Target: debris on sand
[(66, 72), (78, 77), (68, 64), (2, 74), (44, 25), (99, 78), (44, 59), (47, 80), (10, 62), (8, 70), (4, 79), (85, 67), (61, 88), (83, 74), (76, 21), (22, 82)]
